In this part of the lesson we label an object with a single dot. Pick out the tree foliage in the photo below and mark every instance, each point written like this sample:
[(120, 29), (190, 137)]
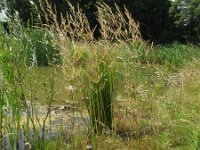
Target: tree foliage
[(160, 20), (152, 16), (186, 15)]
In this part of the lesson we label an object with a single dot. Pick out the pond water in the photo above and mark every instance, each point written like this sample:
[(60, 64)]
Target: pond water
[(37, 85)]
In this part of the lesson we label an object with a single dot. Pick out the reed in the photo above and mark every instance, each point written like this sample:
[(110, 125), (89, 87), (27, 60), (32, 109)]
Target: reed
[(13, 98), (100, 87)]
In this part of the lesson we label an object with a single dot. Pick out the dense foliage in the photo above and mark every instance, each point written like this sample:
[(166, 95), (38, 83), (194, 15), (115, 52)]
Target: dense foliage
[(161, 21), (186, 15)]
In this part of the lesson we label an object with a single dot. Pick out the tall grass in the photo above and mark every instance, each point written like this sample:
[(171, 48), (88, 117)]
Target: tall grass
[(116, 25), (175, 54), (17, 116), (37, 44), (100, 73), (12, 63), (98, 77), (100, 84)]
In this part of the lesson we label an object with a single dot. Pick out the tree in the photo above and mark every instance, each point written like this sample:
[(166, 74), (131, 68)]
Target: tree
[(23, 7), (152, 15), (186, 16)]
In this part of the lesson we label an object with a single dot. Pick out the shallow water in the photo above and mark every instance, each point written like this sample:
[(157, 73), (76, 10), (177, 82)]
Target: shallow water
[(64, 121), (39, 80), (80, 127)]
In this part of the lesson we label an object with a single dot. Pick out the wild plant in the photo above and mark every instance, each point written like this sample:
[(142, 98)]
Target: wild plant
[(116, 25), (12, 64), (93, 68), (74, 24), (15, 68), (100, 87)]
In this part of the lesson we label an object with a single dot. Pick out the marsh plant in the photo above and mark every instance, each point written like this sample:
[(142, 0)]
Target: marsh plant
[(99, 86), (18, 118), (12, 64), (93, 66)]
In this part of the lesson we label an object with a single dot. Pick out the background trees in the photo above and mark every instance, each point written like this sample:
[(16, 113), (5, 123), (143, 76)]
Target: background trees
[(161, 21), (153, 16), (186, 16)]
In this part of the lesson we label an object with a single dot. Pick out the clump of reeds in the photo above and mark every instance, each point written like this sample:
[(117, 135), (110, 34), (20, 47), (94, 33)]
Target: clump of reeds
[(99, 85), (92, 67)]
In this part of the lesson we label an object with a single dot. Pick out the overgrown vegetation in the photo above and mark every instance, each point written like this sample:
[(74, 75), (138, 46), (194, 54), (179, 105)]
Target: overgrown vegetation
[(120, 92)]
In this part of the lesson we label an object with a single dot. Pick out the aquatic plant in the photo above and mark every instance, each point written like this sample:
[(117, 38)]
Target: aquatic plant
[(100, 81)]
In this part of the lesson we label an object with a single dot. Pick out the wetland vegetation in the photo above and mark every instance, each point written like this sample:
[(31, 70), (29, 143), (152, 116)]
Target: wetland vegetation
[(60, 88)]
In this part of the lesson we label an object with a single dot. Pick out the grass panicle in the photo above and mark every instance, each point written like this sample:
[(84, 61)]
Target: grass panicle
[(116, 25)]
